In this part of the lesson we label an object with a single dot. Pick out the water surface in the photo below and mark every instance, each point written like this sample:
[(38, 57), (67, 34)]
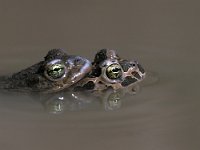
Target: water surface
[(162, 35)]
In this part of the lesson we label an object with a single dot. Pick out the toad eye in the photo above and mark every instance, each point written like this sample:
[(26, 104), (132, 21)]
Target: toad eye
[(114, 71), (55, 71)]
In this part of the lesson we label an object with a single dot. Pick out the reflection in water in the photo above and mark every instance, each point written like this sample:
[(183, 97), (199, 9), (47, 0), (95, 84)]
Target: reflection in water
[(55, 105), (113, 101), (67, 100), (75, 101)]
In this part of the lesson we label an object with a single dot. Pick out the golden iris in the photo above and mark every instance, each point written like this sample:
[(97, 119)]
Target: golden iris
[(56, 71), (114, 71)]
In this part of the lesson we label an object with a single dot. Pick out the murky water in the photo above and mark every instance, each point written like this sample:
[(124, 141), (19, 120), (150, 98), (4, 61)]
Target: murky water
[(162, 35)]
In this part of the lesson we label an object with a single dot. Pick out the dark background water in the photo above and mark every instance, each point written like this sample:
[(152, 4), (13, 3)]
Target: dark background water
[(163, 35)]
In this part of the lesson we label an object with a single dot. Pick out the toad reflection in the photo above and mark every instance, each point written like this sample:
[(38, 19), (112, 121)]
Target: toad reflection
[(108, 100)]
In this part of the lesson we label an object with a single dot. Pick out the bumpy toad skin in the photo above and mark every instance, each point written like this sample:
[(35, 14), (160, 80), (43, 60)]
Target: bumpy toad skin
[(110, 71), (56, 72)]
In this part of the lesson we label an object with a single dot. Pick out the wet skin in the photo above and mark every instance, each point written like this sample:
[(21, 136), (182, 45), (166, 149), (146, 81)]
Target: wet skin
[(60, 71), (109, 78), (56, 72), (111, 71)]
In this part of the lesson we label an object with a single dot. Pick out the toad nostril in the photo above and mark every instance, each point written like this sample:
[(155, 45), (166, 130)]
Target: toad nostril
[(132, 64), (116, 70)]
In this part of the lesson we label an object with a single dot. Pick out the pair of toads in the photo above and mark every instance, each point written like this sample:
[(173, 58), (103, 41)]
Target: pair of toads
[(59, 71)]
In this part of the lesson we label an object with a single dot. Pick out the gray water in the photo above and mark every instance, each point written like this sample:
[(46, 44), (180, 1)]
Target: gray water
[(163, 35)]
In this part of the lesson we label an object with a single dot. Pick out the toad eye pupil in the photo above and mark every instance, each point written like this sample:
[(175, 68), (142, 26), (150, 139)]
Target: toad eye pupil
[(56, 71), (114, 71)]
